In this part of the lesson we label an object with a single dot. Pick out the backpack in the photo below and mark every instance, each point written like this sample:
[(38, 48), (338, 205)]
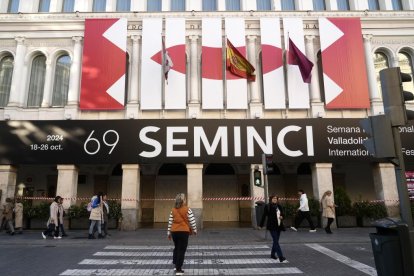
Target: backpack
[(89, 207)]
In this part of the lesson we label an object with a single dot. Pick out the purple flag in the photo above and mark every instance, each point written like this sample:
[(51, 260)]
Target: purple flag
[(296, 57)]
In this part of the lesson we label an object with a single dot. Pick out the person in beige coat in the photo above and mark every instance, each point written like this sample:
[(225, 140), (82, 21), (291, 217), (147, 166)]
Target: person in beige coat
[(96, 216), (18, 215), (328, 210), (8, 215), (53, 221)]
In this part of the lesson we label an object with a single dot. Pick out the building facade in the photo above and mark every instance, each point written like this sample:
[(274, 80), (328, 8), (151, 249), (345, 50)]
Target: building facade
[(43, 73)]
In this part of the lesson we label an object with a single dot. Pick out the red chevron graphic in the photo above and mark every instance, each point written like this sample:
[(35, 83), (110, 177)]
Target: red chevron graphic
[(177, 55), (103, 64), (271, 58)]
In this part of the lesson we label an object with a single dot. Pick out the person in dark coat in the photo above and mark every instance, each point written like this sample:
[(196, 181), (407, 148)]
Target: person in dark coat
[(274, 213)]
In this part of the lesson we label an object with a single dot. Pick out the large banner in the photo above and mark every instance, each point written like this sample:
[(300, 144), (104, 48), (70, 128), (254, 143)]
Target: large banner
[(187, 141), (103, 64)]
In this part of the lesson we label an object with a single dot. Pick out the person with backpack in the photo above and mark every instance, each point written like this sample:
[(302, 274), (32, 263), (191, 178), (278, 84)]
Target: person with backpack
[(181, 224), (274, 214), (96, 216)]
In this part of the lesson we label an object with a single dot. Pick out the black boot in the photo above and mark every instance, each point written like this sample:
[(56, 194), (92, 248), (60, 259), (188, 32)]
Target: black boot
[(91, 237), (100, 236)]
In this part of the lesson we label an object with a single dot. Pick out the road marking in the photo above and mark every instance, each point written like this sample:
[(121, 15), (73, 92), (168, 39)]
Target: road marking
[(207, 271), (193, 247), (343, 259), (188, 254), (167, 262)]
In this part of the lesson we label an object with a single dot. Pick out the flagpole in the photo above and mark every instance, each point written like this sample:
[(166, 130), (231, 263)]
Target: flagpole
[(287, 71), (225, 75), (163, 46)]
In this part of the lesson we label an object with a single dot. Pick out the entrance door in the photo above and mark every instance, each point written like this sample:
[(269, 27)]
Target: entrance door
[(220, 186), (167, 187)]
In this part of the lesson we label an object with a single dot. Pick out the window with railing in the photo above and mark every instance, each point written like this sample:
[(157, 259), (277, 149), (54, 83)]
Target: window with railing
[(154, 5), (373, 5), (397, 5), (319, 5), (37, 81), (123, 5), (380, 62), (99, 5), (68, 6), (406, 66), (288, 5), (233, 5), (209, 5), (263, 5), (61, 81), (6, 73), (13, 6), (343, 5), (177, 5)]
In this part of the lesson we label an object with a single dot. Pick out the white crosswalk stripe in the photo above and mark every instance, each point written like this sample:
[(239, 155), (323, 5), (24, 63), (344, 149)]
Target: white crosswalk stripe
[(199, 260)]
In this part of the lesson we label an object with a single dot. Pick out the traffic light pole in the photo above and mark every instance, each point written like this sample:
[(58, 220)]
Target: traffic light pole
[(266, 189), (405, 206)]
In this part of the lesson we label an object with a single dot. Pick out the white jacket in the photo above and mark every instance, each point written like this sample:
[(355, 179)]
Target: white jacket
[(304, 206)]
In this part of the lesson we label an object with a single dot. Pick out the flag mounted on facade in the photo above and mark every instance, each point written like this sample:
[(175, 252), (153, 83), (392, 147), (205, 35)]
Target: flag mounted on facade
[(167, 63), (237, 64), (296, 57)]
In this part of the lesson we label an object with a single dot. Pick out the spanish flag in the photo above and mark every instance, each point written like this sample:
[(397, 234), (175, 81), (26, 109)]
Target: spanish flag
[(238, 64)]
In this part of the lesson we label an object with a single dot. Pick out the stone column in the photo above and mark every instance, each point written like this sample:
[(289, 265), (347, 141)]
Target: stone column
[(7, 182), (47, 94), (386, 187), (131, 187), (251, 52), (75, 72), (194, 104), (67, 184), (17, 84), (376, 103), (321, 182), (256, 192), (195, 191), (134, 69), (318, 109)]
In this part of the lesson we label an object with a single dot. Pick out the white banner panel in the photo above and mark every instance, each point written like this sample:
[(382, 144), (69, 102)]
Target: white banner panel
[(175, 92), (272, 64), (298, 90), (212, 64), (236, 87), (151, 71)]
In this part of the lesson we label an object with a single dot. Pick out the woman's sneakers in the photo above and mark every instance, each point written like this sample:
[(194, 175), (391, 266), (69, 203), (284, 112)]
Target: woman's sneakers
[(283, 260), (179, 272), (273, 257)]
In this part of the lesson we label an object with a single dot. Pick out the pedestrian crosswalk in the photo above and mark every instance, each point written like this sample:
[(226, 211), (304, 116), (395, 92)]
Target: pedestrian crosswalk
[(199, 260)]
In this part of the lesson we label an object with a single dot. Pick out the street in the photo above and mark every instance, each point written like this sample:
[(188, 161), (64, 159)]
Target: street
[(229, 251)]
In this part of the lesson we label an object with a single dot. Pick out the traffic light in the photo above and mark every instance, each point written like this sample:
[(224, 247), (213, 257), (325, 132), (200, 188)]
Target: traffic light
[(380, 142), (394, 96), (267, 162), (257, 178)]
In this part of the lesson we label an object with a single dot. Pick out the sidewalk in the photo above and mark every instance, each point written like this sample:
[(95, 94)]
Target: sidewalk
[(225, 236)]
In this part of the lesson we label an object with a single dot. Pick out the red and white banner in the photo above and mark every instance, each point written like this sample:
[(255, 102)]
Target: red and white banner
[(343, 62), (175, 88), (298, 90), (212, 63), (103, 64), (272, 64), (236, 91), (151, 66)]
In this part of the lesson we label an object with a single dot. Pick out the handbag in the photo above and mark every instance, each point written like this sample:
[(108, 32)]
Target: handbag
[(186, 222)]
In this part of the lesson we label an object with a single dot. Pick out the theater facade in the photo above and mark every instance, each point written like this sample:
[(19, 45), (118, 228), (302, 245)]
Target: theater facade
[(135, 100)]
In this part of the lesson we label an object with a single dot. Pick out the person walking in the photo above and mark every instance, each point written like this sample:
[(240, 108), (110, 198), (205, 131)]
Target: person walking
[(303, 213), (52, 223), (61, 214), (274, 213), (96, 216), (181, 224), (328, 210), (8, 215), (18, 215), (105, 211)]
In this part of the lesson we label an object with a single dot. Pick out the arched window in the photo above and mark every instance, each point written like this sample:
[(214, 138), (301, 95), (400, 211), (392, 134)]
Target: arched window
[(233, 5), (288, 5), (6, 73), (177, 5), (44, 5), (99, 5), (209, 5), (319, 5), (154, 5), (61, 82), (380, 62), (263, 5), (68, 6), (343, 5), (13, 6), (123, 5), (397, 5), (373, 5), (406, 66), (37, 82)]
